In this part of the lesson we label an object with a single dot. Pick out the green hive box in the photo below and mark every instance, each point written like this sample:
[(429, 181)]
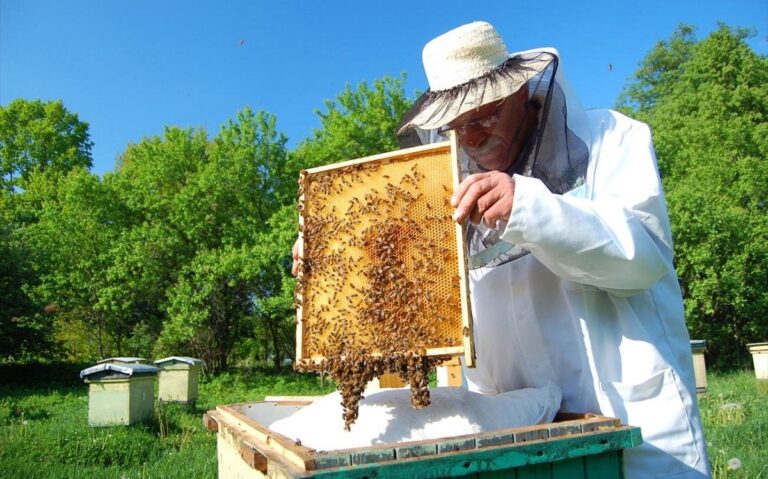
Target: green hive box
[(120, 394), (574, 446), (178, 378)]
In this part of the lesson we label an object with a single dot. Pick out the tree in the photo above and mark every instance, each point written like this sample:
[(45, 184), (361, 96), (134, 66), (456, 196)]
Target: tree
[(199, 205), (24, 328), (707, 104), (360, 122), (36, 135), (71, 240)]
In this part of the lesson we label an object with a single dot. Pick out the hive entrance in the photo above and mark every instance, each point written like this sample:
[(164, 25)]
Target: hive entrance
[(381, 270)]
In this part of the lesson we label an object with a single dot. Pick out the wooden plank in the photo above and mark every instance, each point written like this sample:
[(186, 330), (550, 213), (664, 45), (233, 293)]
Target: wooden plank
[(456, 444), (252, 456), (209, 422), (557, 430), (569, 469), (532, 433), (463, 258), (454, 376), (404, 154), (300, 456), (495, 438), (482, 461), (562, 416), (535, 471), (453, 361), (373, 455), (449, 351), (415, 450), (325, 460), (299, 298), (602, 465), (598, 423), (496, 475)]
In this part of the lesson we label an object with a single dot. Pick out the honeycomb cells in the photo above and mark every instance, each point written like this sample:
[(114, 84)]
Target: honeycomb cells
[(378, 284)]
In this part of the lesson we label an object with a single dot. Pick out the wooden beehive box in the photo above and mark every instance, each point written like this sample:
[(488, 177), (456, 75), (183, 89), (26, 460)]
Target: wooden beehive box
[(382, 263), (575, 445), (120, 394), (178, 379)]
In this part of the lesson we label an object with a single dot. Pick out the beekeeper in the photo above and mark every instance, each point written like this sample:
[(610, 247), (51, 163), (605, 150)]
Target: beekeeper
[(572, 278)]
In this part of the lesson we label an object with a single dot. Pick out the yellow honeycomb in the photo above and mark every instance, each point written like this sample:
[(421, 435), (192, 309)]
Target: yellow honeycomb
[(379, 268)]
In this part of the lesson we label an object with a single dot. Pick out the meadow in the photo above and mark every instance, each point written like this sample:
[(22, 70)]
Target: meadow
[(44, 431)]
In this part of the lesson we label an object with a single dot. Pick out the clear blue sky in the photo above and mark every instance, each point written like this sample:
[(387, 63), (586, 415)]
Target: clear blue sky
[(130, 67)]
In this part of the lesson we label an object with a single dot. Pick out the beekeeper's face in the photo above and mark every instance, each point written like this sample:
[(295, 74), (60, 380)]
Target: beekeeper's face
[(494, 134)]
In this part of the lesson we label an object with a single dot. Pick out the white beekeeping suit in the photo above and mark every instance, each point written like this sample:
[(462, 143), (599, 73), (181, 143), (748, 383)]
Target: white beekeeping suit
[(578, 287)]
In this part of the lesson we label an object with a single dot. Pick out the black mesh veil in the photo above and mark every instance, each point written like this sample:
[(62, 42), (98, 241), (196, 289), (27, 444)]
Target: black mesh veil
[(554, 152)]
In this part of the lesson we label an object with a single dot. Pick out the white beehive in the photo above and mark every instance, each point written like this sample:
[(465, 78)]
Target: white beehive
[(120, 394), (179, 378)]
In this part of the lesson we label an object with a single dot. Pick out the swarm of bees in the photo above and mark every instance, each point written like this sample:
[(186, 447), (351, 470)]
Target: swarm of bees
[(378, 280), (356, 369)]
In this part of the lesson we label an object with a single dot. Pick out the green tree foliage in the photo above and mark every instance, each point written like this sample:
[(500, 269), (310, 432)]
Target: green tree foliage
[(199, 208), (24, 330), (40, 135), (71, 240), (707, 104), (186, 247), (361, 121), (35, 138)]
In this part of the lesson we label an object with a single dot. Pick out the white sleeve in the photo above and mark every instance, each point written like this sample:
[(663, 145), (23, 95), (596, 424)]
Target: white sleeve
[(616, 237)]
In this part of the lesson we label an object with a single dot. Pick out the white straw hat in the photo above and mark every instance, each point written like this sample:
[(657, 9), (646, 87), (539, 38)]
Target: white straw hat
[(464, 53), (467, 68)]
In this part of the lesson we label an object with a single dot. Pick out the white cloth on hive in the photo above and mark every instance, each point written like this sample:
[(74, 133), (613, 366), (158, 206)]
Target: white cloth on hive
[(387, 416)]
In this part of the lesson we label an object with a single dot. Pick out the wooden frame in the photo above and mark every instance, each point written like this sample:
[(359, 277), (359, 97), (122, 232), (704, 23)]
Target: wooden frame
[(466, 349)]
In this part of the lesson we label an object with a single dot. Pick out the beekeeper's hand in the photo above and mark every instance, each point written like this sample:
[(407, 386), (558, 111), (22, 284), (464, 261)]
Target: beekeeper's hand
[(487, 196), (295, 267)]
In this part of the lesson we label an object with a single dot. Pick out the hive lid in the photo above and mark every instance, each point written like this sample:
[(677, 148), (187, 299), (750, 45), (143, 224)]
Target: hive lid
[(758, 346), (698, 344), (122, 359), (110, 370), (181, 359)]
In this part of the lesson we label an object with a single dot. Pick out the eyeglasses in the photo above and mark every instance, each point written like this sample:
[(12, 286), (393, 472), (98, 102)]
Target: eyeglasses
[(479, 123)]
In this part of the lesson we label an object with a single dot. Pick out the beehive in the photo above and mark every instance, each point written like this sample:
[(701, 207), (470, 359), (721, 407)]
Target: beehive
[(382, 264), (698, 348), (585, 446), (119, 393), (178, 378)]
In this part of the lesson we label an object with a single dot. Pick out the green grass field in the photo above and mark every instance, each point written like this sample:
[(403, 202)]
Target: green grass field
[(44, 431)]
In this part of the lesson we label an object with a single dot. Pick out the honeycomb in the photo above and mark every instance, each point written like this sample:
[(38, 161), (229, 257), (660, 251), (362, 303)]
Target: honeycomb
[(381, 267)]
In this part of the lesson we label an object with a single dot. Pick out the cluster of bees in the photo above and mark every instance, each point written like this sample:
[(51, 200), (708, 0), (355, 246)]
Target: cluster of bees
[(377, 283), (353, 371)]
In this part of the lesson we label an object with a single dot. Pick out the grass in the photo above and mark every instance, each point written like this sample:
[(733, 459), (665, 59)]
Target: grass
[(735, 414), (44, 431)]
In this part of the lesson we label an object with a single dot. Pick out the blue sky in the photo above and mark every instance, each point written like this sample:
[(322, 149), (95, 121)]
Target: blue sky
[(129, 68)]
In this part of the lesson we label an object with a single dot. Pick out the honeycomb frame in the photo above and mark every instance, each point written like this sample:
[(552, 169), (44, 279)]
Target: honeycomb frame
[(362, 233)]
